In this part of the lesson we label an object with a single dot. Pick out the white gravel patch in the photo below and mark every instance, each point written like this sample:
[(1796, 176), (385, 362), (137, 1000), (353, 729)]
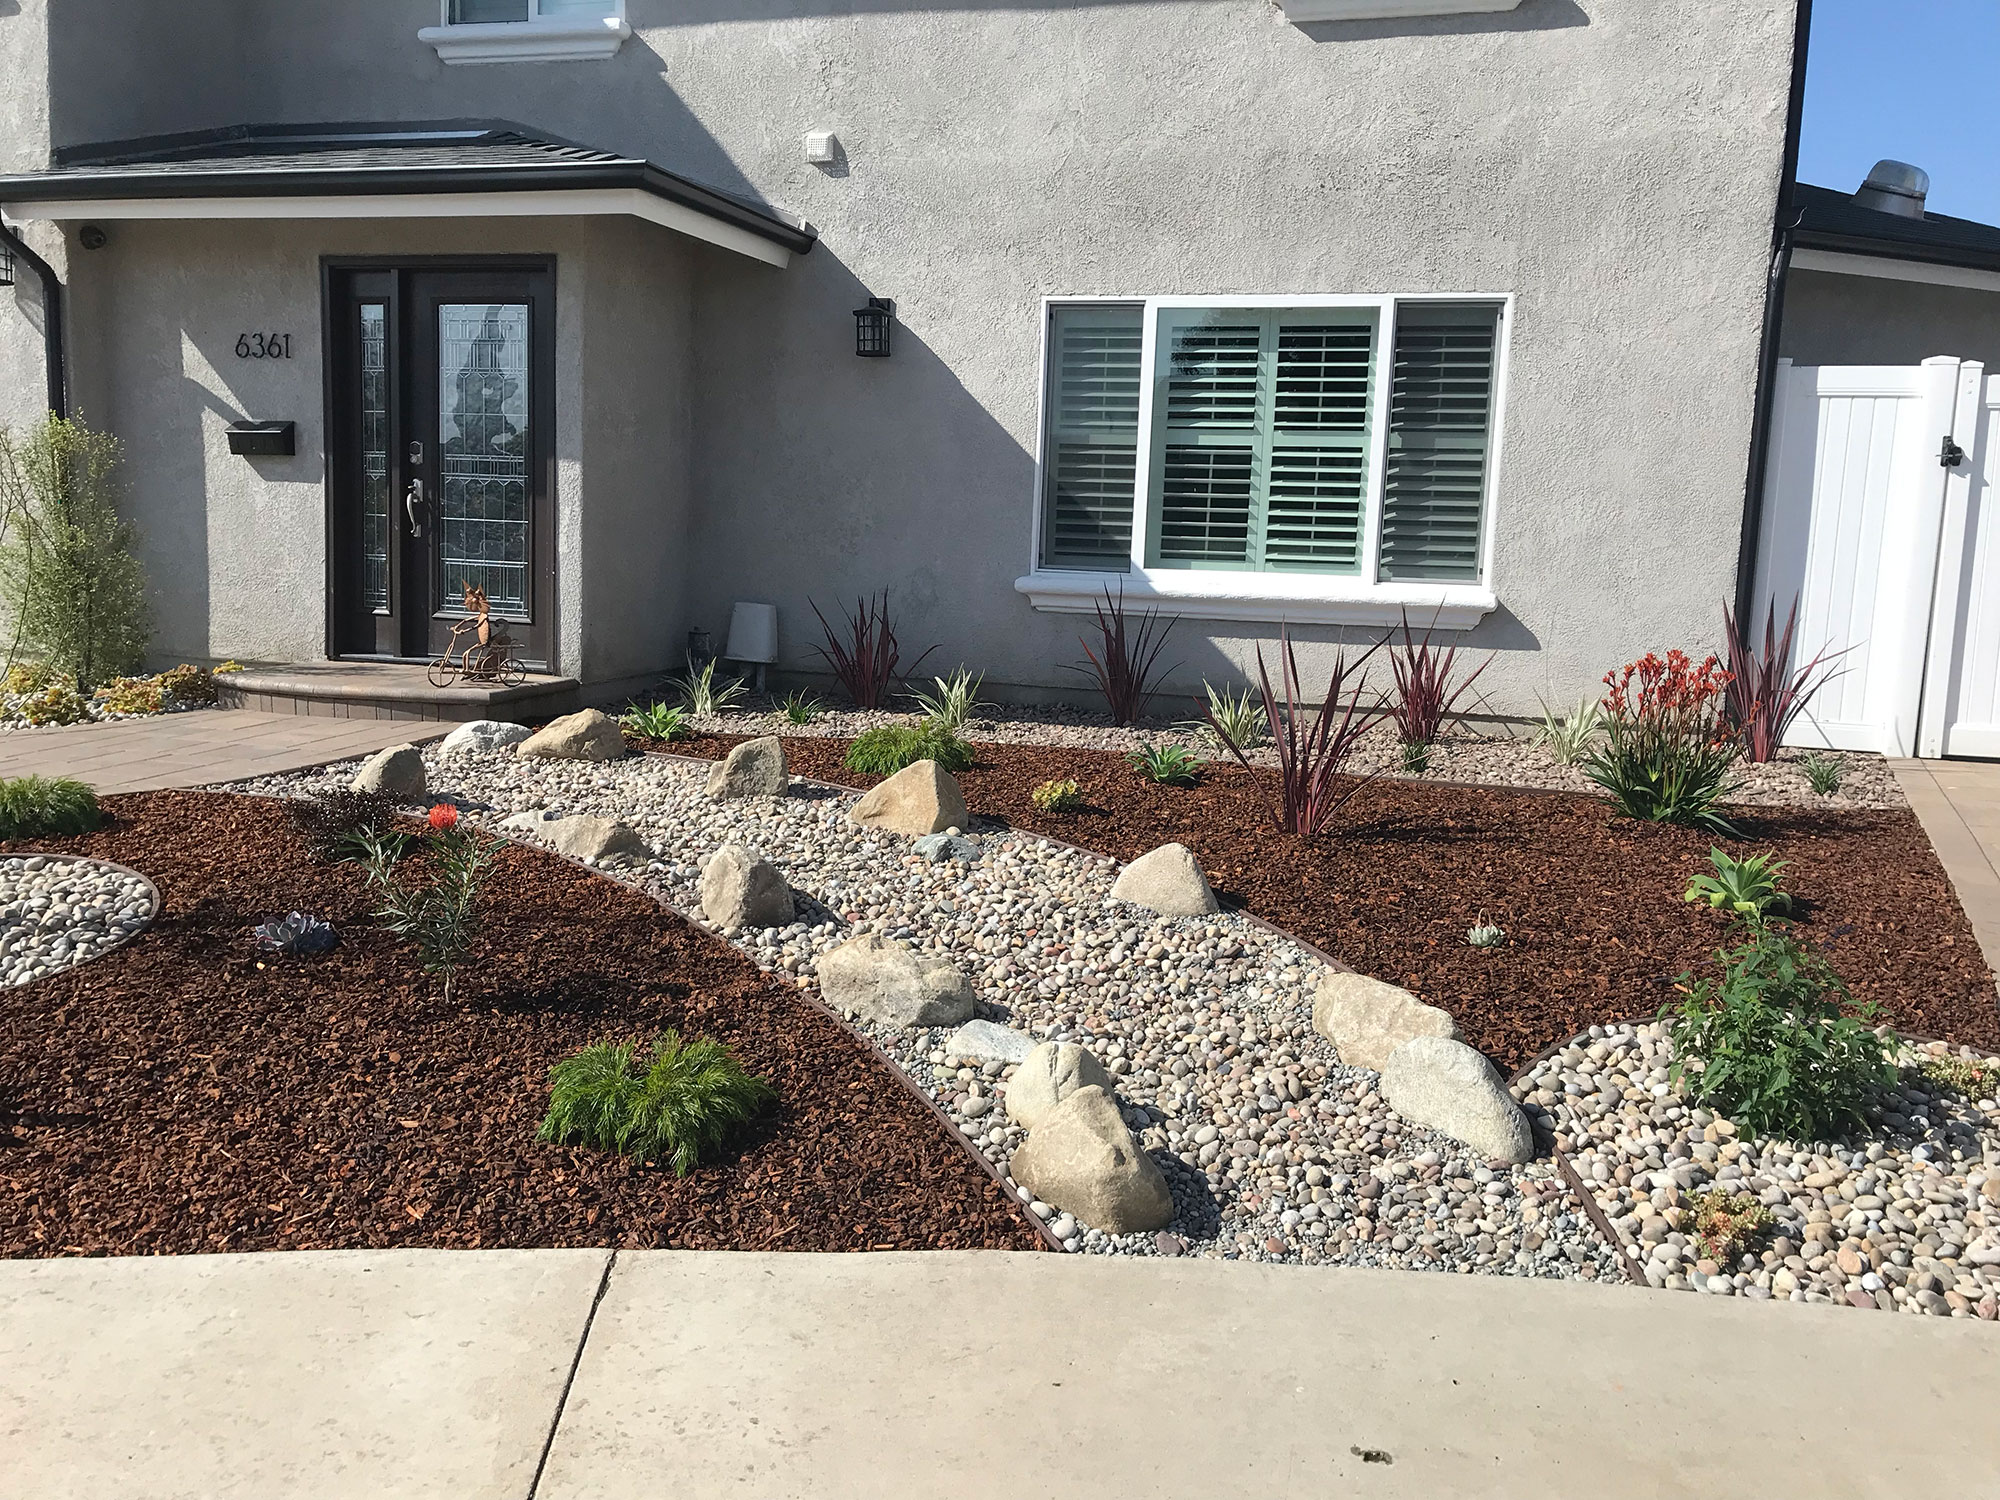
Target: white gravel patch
[(1273, 1149), (1907, 1221), (59, 910)]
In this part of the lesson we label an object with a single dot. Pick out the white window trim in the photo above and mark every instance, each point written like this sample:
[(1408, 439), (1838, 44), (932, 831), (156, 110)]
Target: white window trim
[(564, 39), (1271, 596), (1387, 10)]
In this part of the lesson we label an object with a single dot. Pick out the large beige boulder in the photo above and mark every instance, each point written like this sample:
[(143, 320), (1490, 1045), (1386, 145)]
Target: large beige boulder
[(1047, 1076), (396, 772), (1168, 881), (1366, 1020), (594, 839), (921, 798), (1447, 1086), (1082, 1160), (755, 768), (891, 983), (588, 735), (740, 890)]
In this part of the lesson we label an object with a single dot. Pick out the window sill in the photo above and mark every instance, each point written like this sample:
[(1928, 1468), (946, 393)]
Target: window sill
[(527, 41), (1295, 599), (1387, 10)]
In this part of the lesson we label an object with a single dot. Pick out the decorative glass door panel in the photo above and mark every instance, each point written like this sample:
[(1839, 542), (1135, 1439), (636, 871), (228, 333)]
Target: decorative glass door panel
[(439, 458)]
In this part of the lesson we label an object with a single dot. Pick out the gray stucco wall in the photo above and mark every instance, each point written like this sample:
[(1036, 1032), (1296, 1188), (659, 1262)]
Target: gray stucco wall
[(1611, 164), (1834, 319), (24, 145)]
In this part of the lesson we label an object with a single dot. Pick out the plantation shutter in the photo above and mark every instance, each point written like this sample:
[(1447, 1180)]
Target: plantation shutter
[(1091, 449), (1263, 456), (1440, 428)]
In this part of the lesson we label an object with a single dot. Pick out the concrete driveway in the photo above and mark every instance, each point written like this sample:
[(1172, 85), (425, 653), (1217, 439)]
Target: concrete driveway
[(577, 1373)]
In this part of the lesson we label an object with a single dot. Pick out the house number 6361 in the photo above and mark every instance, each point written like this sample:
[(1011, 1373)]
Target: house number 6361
[(263, 346)]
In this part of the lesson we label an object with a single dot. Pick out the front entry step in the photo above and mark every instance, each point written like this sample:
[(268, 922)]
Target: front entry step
[(391, 690)]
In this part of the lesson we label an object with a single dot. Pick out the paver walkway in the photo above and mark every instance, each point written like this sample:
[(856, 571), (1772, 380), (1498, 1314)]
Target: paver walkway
[(194, 749), (1958, 802), (563, 1374)]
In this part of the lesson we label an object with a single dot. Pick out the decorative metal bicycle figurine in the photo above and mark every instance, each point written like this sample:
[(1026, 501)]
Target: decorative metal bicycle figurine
[(480, 652)]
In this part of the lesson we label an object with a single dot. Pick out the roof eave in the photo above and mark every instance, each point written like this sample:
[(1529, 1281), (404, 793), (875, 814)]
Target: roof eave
[(1881, 249)]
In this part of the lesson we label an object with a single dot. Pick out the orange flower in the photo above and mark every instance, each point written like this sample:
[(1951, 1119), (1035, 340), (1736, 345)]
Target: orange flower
[(444, 818)]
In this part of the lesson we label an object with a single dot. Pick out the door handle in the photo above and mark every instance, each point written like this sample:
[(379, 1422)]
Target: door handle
[(412, 498)]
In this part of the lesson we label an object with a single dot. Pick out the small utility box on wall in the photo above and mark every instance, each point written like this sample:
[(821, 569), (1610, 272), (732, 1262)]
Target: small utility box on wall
[(264, 439)]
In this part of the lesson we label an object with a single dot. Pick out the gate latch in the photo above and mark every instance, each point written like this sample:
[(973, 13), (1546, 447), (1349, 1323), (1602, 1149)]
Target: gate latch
[(1951, 455)]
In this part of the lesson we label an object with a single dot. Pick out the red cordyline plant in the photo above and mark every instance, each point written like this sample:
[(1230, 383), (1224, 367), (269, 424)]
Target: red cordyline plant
[(1667, 750), (1124, 661), (1427, 692), (1309, 758), (864, 659), (1765, 692)]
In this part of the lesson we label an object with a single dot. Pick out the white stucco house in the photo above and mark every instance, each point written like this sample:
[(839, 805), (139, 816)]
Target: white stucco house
[(1267, 312)]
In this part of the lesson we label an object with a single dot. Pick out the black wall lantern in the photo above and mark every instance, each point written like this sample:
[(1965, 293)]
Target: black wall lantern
[(6, 266), (871, 328)]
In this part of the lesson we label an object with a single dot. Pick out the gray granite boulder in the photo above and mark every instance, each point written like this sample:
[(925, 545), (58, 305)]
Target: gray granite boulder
[(1367, 1020), (396, 772), (1082, 1159), (891, 983), (755, 768), (1168, 881), (740, 890), (1047, 1076), (989, 1041), (484, 737), (1447, 1086)]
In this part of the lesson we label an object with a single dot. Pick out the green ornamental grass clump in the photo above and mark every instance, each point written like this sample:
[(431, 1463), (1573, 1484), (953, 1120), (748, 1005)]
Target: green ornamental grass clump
[(1778, 1045), (885, 750), (680, 1110), (47, 806)]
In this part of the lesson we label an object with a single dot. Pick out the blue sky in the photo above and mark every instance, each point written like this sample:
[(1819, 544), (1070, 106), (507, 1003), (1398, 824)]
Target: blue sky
[(1909, 79)]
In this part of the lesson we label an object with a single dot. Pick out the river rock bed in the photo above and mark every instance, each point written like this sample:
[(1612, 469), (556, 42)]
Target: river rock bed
[(1905, 1218), (1273, 1149), (56, 911)]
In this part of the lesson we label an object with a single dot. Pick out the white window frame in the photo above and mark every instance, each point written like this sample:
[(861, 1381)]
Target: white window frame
[(537, 39), (1274, 596)]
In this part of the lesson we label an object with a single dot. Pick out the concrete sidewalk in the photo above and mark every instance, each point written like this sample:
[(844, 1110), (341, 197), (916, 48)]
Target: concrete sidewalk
[(199, 748), (1958, 802), (445, 1374)]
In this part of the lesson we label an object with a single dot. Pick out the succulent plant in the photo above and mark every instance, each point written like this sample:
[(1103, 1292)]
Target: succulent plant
[(297, 935), (1484, 935)]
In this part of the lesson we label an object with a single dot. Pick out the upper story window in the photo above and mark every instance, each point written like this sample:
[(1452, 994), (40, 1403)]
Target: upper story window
[(1295, 458), (483, 31)]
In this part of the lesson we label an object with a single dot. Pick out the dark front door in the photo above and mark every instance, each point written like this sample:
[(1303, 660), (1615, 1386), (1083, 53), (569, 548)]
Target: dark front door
[(441, 455)]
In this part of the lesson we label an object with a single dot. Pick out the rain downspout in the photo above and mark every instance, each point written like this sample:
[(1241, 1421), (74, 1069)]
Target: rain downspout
[(52, 316)]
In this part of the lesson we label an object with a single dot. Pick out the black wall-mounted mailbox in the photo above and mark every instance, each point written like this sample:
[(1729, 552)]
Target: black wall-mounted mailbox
[(264, 439)]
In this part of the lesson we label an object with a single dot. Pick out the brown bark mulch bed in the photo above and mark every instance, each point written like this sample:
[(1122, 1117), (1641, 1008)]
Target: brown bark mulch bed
[(183, 1094), (1596, 928)]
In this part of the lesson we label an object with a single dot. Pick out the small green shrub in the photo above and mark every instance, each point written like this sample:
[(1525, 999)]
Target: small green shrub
[(701, 694), (1824, 774), (1236, 718), (1165, 765), (1569, 736), (947, 711), (58, 703), (131, 695), (47, 806), (1778, 1045), (888, 748), (1726, 1223), (1416, 757), (1963, 1076), (439, 918), (680, 1110), (334, 823), (1746, 887), (188, 684), (657, 721), (799, 707), (29, 676), (1057, 797)]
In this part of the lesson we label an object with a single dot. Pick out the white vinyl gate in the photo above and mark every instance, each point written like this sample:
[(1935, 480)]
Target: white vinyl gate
[(1880, 517)]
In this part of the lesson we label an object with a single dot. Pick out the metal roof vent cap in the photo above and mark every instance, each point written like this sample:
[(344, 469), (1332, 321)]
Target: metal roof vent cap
[(1895, 187)]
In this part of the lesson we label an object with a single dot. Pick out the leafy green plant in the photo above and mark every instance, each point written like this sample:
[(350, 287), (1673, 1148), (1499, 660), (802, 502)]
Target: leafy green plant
[(333, 824), (1747, 887), (58, 703), (1666, 754), (1570, 736), (657, 721), (953, 704), (1165, 765), (888, 748), (439, 918), (1824, 774), (799, 707), (68, 574), (701, 694), (131, 695), (29, 676), (679, 1110), (1725, 1223), (1416, 757), (1778, 1045), (1057, 797), (1233, 718), (188, 684), (47, 806), (1964, 1076)]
